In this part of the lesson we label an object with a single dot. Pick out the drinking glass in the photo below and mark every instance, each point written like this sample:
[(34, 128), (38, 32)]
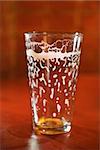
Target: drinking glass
[(53, 63)]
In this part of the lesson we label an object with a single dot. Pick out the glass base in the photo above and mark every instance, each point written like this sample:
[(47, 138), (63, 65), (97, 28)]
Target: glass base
[(51, 126)]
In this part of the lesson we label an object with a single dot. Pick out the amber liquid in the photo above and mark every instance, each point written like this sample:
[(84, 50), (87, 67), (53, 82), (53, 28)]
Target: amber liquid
[(52, 126)]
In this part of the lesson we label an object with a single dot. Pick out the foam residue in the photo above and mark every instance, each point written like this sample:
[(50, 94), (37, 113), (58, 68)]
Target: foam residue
[(43, 66), (58, 86), (67, 102), (41, 90), (52, 93), (51, 70), (54, 68), (55, 76), (56, 82), (60, 70), (43, 79), (50, 54), (44, 102), (58, 107), (69, 83), (63, 79), (57, 98), (54, 114), (65, 90)]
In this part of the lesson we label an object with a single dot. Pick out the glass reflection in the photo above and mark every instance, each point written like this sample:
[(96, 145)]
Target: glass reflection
[(33, 143)]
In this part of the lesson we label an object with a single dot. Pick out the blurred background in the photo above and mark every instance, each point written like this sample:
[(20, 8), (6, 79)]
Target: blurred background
[(17, 17)]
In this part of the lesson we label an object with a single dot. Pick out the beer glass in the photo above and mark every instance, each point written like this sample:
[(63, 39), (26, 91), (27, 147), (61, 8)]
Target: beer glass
[(53, 63)]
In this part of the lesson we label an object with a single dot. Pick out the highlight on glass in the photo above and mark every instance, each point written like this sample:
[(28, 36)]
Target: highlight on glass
[(53, 64)]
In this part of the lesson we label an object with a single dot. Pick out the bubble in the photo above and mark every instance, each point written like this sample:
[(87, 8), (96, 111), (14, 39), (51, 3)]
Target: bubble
[(59, 44), (57, 98), (49, 81), (65, 90), (54, 114), (67, 102), (49, 85), (63, 49), (58, 107), (37, 49), (44, 109), (55, 76)]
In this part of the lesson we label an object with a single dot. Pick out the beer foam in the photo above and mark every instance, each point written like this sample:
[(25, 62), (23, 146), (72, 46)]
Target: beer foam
[(50, 54)]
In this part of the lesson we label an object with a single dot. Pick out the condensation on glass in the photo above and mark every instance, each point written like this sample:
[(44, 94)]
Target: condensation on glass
[(53, 62)]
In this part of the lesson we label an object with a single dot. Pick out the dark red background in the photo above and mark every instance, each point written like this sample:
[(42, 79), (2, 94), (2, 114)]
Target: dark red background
[(17, 17)]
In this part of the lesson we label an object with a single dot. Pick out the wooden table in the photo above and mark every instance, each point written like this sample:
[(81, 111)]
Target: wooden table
[(15, 118)]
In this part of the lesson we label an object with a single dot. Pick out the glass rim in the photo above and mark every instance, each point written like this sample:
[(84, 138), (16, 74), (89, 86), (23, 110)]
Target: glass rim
[(49, 33)]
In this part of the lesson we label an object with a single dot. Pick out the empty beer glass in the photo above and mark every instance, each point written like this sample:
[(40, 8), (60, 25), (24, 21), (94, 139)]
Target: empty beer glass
[(53, 62)]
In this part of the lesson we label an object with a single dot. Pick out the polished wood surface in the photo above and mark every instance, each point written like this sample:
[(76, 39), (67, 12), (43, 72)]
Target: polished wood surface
[(15, 118)]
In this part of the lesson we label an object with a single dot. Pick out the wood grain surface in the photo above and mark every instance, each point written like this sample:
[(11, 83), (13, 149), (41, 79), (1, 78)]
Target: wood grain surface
[(15, 118)]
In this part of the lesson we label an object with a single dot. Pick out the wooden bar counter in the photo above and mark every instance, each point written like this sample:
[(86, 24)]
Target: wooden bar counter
[(15, 118)]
